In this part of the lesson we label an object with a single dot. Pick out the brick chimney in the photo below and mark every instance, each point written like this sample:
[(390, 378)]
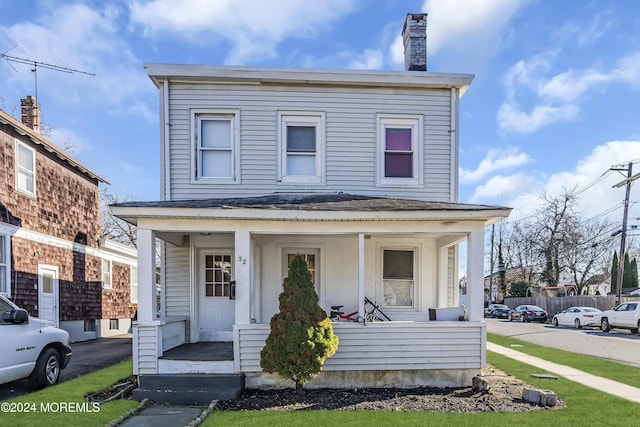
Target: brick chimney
[(30, 113), (414, 36)]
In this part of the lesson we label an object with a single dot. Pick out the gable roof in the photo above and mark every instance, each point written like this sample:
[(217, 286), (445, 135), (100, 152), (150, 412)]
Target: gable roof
[(301, 206), (38, 139)]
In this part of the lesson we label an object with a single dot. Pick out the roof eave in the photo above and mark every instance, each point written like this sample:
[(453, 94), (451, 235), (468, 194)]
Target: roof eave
[(194, 73)]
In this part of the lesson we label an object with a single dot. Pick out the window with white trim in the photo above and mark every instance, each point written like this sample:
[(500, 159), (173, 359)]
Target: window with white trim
[(399, 150), (398, 277), (106, 274), (25, 168), (216, 137), (134, 284), (301, 141), (4, 265)]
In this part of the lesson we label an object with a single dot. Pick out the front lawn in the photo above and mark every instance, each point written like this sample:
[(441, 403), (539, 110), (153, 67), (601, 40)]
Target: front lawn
[(64, 404)]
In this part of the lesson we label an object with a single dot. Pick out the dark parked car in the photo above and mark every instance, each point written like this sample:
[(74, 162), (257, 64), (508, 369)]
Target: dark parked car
[(528, 313), (497, 310)]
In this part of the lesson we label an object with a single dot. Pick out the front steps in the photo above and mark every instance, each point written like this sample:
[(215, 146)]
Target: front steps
[(188, 389)]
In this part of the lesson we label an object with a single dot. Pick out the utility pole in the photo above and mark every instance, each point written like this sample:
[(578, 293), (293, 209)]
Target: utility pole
[(623, 237), (491, 301)]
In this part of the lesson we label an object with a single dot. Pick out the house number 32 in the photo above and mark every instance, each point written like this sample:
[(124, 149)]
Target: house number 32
[(241, 259)]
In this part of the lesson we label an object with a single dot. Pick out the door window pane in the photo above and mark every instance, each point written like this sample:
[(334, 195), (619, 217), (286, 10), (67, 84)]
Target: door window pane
[(217, 275)]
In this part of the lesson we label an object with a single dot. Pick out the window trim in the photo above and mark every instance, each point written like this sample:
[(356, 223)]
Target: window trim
[(316, 119), (416, 124), (133, 283), (417, 250), (5, 240), (106, 285), (197, 115), (18, 168)]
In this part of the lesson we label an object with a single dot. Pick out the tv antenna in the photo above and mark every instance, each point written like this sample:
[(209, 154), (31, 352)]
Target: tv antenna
[(35, 65)]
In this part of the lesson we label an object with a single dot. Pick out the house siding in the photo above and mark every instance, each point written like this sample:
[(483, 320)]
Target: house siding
[(177, 281), (350, 137), (385, 346)]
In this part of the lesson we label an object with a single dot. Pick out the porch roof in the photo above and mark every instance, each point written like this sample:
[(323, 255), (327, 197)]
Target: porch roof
[(309, 206)]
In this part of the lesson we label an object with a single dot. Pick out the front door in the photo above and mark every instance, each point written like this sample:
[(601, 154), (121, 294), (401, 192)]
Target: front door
[(48, 293), (216, 308)]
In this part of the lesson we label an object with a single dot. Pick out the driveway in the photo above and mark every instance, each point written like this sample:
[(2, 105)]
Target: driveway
[(88, 356), (618, 345)]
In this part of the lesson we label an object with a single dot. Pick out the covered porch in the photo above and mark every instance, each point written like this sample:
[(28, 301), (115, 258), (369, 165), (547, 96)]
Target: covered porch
[(350, 241)]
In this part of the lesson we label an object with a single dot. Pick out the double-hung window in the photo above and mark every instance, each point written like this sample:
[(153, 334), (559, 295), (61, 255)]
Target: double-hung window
[(399, 150), (301, 154), (216, 146), (106, 274), (398, 277), (4, 265), (25, 168)]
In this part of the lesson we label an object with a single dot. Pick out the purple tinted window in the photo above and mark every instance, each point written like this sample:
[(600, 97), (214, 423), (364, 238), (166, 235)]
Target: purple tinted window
[(398, 165), (398, 139)]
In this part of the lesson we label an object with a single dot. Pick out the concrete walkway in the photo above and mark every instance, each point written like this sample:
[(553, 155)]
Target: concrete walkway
[(615, 388)]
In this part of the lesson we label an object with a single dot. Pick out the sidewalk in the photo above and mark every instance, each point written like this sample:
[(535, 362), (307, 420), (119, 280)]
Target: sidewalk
[(615, 388)]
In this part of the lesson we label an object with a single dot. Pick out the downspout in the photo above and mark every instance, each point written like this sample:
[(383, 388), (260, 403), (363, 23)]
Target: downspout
[(165, 171), (453, 132)]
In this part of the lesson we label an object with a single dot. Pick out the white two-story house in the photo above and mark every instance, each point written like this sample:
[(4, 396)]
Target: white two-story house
[(357, 171)]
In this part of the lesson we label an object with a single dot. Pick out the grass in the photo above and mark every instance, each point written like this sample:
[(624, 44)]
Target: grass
[(48, 401), (585, 406), (594, 365)]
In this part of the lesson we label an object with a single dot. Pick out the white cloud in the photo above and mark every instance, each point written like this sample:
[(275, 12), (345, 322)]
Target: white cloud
[(370, 59), (466, 28), (500, 188), (495, 160), (556, 98), (254, 28), (78, 37), (591, 176)]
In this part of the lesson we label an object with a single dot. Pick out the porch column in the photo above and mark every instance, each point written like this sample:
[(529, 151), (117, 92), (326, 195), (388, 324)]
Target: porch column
[(243, 276), (443, 276), (475, 269), (147, 291), (361, 274)]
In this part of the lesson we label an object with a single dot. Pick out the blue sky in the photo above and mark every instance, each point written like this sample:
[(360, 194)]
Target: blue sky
[(554, 104)]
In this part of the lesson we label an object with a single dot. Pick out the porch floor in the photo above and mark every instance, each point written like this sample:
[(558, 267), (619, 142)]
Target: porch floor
[(204, 351)]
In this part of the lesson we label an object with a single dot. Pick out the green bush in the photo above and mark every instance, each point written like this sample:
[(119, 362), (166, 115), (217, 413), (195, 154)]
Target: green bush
[(301, 336)]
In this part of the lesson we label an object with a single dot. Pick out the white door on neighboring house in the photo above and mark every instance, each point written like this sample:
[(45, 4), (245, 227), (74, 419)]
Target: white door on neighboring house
[(48, 298), (216, 308)]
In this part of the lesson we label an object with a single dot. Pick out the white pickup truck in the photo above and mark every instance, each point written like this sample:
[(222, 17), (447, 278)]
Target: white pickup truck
[(31, 348), (624, 316)]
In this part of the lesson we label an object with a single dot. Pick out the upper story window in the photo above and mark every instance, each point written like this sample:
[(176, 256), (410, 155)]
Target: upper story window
[(399, 150), (25, 168), (4, 265), (106, 274), (216, 138), (301, 141)]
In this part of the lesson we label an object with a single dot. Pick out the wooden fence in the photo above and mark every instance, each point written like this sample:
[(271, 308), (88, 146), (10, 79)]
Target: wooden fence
[(555, 305)]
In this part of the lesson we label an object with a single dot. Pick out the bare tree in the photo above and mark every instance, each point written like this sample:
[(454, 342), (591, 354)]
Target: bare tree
[(112, 227), (555, 239)]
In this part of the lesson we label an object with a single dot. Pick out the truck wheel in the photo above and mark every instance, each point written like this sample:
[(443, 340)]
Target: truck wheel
[(604, 325), (638, 328), (47, 370)]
